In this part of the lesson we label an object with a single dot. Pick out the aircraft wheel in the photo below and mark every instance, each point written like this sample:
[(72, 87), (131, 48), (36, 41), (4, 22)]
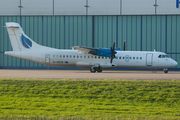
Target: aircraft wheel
[(93, 69), (166, 70), (99, 70)]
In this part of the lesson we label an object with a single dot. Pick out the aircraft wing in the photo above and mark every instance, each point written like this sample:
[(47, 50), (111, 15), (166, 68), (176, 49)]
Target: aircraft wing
[(105, 52), (86, 50)]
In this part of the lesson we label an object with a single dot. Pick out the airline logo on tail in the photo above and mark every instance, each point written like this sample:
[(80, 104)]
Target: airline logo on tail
[(26, 42)]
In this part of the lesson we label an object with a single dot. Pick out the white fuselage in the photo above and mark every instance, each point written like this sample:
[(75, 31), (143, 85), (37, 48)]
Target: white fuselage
[(25, 48), (73, 58)]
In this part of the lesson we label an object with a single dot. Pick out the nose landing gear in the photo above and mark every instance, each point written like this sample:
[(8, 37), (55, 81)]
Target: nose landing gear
[(165, 70)]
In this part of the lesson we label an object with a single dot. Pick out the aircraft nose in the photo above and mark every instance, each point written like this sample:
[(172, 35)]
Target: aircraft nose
[(174, 63)]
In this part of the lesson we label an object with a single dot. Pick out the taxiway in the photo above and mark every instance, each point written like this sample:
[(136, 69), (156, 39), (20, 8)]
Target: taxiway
[(85, 74)]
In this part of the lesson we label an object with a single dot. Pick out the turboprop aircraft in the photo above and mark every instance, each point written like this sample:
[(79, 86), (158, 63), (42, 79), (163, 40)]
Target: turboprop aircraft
[(95, 59)]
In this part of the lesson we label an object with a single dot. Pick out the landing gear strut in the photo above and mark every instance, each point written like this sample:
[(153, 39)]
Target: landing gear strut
[(165, 70), (93, 69)]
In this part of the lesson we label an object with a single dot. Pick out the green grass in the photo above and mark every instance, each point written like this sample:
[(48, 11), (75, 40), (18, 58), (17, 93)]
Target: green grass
[(89, 99)]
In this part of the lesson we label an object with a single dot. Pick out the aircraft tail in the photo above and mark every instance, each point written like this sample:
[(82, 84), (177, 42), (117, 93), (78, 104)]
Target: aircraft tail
[(19, 40)]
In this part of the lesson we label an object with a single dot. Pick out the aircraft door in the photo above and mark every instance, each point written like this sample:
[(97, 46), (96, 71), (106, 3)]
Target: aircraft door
[(149, 59), (47, 58)]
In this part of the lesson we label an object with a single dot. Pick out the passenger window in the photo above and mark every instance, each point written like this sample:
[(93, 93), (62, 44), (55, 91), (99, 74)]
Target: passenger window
[(140, 58), (74, 56), (133, 58), (137, 58), (159, 56), (91, 56), (102, 57), (119, 57), (77, 56), (56, 56), (63, 56), (95, 57), (60, 56), (53, 56), (81, 56), (99, 57), (84, 56), (129, 57), (123, 57), (67, 56), (88, 56)]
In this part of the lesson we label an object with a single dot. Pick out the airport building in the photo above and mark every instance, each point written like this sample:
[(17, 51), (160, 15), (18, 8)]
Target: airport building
[(146, 25)]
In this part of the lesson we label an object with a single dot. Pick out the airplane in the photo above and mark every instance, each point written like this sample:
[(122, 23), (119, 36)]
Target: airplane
[(94, 59)]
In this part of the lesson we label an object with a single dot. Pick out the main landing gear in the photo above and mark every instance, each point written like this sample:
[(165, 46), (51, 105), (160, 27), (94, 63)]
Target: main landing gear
[(93, 69), (165, 70)]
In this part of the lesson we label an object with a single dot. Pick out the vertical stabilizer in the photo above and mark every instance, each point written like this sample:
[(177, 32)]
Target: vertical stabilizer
[(19, 40)]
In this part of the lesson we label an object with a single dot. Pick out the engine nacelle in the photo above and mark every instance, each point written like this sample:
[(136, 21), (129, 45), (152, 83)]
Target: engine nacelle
[(105, 65)]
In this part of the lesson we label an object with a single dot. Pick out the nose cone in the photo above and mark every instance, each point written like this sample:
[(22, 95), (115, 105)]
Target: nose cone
[(174, 63)]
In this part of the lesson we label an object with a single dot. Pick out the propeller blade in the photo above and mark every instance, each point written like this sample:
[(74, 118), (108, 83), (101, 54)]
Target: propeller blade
[(113, 52), (111, 49), (124, 45), (111, 60), (114, 45)]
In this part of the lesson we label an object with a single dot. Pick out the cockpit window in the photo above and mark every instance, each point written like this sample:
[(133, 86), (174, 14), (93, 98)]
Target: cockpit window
[(163, 56)]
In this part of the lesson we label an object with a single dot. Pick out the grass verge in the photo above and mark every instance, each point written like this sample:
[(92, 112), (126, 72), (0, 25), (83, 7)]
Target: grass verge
[(89, 99)]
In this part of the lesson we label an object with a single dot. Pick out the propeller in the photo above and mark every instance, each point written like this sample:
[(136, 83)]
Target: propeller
[(113, 52), (124, 45)]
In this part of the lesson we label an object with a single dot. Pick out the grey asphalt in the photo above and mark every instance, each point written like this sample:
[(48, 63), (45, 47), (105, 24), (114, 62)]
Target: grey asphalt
[(85, 74)]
